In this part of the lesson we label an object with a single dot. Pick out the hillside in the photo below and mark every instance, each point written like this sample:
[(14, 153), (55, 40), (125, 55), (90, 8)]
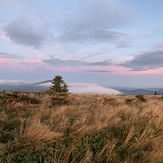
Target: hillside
[(85, 128)]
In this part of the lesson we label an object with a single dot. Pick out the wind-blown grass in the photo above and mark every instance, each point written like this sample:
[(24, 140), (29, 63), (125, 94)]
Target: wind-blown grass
[(81, 128)]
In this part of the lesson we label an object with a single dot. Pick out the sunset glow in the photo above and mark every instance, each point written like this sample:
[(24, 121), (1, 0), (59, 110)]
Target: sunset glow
[(84, 41)]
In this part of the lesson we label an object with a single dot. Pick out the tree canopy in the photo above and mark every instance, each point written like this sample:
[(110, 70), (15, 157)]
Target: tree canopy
[(58, 85)]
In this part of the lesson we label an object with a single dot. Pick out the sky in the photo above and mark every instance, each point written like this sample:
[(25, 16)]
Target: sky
[(113, 43)]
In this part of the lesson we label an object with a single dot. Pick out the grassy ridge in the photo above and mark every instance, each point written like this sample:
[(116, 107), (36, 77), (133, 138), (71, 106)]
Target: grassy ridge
[(80, 128)]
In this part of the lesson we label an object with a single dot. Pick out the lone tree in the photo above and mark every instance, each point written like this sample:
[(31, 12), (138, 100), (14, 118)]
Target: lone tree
[(58, 85)]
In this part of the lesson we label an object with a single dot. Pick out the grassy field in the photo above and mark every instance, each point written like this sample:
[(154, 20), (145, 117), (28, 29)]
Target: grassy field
[(43, 128)]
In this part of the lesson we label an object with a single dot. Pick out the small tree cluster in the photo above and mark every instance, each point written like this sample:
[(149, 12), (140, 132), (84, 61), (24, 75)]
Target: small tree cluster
[(58, 85)]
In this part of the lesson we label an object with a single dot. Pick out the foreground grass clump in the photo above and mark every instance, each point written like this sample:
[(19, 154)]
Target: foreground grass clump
[(85, 128)]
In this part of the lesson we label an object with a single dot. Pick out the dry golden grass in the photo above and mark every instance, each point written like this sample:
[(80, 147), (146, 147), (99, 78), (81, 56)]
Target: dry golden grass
[(34, 130), (89, 128)]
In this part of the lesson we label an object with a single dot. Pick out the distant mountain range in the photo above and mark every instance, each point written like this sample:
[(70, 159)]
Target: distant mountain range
[(148, 91), (25, 86), (44, 85), (136, 91), (74, 87)]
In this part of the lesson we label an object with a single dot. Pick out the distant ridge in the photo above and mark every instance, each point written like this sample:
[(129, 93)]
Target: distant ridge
[(138, 91), (160, 91), (43, 82), (40, 86), (25, 86)]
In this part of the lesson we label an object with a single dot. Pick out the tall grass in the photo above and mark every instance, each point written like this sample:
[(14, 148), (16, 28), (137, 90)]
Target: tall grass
[(87, 128)]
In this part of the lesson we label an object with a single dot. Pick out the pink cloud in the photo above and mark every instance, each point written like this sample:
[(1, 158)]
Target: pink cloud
[(111, 70), (4, 37), (123, 70), (127, 71), (160, 46), (31, 61), (30, 65), (24, 65), (10, 64), (70, 69)]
